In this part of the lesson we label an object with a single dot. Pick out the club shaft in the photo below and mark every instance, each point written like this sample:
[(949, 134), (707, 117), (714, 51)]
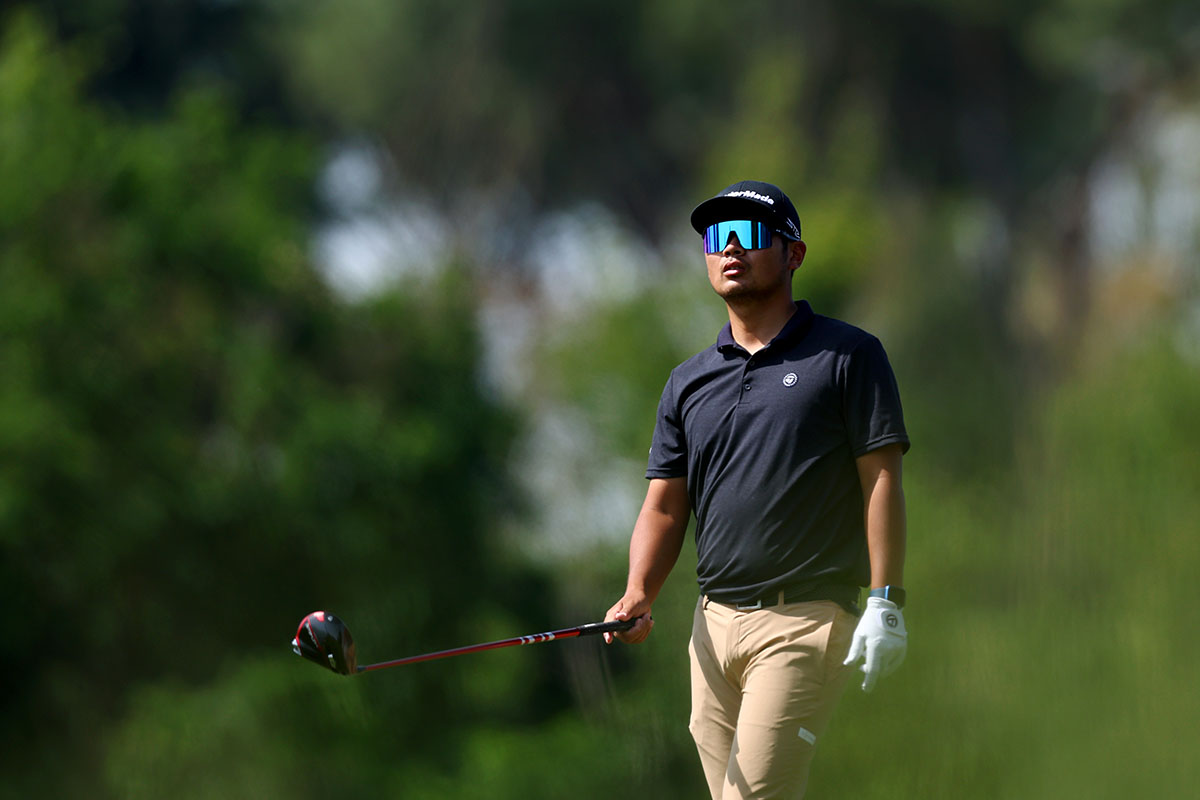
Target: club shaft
[(536, 638)]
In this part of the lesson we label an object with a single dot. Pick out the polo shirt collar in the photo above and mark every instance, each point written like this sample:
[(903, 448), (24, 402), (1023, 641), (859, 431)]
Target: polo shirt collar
[(794, 329)]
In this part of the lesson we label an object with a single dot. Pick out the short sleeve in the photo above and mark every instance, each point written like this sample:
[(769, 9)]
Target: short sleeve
[(871, 400), (668, 446)]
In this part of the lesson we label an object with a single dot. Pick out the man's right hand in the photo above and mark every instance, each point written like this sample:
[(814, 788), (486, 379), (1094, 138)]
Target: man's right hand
[(631, 607)]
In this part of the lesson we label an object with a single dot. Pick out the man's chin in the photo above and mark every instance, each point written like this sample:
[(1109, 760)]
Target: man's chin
[(739, 292)]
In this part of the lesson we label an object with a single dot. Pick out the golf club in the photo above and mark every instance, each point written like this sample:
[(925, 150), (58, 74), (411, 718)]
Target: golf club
[(324, 639)]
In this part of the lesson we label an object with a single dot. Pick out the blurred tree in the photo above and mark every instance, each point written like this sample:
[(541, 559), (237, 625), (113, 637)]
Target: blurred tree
[(199, 443), (140, 52), (505, 109)]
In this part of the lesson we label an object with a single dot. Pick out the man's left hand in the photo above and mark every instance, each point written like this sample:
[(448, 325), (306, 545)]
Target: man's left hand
[(880, 639)]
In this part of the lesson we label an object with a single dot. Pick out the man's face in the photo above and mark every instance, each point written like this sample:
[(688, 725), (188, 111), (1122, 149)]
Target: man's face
[(740, 274)]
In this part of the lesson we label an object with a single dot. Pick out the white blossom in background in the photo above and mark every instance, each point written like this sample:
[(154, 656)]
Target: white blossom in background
[(1145, 197), (532, 289)]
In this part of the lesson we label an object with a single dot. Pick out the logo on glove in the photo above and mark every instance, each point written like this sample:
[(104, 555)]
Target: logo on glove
[(891, 620)]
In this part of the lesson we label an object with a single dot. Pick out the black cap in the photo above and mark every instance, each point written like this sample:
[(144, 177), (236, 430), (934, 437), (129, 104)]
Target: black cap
[(756, 200)]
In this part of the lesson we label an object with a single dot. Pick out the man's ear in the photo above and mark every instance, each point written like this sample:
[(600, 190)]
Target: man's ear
[(796, 252)]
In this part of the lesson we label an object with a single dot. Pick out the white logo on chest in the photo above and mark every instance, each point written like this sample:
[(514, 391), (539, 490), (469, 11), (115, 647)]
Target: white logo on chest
[(789, 379)]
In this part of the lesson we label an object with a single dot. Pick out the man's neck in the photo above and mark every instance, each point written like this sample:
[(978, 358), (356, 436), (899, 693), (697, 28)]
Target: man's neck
[(754, 325)]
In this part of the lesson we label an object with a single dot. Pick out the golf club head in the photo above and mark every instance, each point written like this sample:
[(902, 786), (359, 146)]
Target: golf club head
[(324, 639)]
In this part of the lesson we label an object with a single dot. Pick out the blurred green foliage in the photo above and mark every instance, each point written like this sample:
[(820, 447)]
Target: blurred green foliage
[(200, 441)]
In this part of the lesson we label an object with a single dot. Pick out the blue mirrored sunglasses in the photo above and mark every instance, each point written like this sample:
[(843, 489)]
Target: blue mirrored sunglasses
[(751, 235)]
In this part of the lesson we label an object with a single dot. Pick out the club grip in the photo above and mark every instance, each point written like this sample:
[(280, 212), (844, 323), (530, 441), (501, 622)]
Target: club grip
[(607, 627)]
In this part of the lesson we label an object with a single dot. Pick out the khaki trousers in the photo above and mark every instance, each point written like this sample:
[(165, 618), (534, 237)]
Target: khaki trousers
[(764, 686)]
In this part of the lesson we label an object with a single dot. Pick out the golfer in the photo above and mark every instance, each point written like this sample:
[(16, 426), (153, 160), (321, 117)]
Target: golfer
[(785, 440)]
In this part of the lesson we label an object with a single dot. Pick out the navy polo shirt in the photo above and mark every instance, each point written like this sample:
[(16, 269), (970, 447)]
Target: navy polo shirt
[(768, 444)]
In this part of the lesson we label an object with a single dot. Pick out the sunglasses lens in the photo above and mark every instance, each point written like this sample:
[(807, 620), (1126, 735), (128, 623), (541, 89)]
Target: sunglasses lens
[(750, 235)]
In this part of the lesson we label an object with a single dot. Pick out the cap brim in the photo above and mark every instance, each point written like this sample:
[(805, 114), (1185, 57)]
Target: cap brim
[(722, 209)]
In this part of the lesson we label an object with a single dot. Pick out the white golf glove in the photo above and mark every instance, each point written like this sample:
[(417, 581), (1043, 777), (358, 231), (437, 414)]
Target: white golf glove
[(881, 637)]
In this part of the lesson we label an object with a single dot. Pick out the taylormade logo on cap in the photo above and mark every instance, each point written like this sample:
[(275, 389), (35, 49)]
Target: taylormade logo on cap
[(754, 195)]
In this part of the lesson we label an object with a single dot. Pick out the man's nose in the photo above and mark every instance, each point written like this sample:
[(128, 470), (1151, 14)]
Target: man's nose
[(733, 245)]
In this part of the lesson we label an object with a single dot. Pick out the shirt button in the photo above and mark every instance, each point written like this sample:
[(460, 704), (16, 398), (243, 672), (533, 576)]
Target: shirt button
[(746, 386)]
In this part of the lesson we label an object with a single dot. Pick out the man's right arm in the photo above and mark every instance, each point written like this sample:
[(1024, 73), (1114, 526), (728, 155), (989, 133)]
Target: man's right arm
[(653, 549)]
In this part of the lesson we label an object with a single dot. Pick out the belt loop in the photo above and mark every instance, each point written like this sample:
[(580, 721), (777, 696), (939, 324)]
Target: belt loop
[(706, 601), (782, 598)]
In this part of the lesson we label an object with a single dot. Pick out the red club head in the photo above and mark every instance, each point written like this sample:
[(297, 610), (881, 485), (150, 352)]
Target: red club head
[(324, 639)]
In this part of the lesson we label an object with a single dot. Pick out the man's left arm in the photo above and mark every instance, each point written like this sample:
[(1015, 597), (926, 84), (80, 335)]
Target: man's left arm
[(879, 472), (880, 636)]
